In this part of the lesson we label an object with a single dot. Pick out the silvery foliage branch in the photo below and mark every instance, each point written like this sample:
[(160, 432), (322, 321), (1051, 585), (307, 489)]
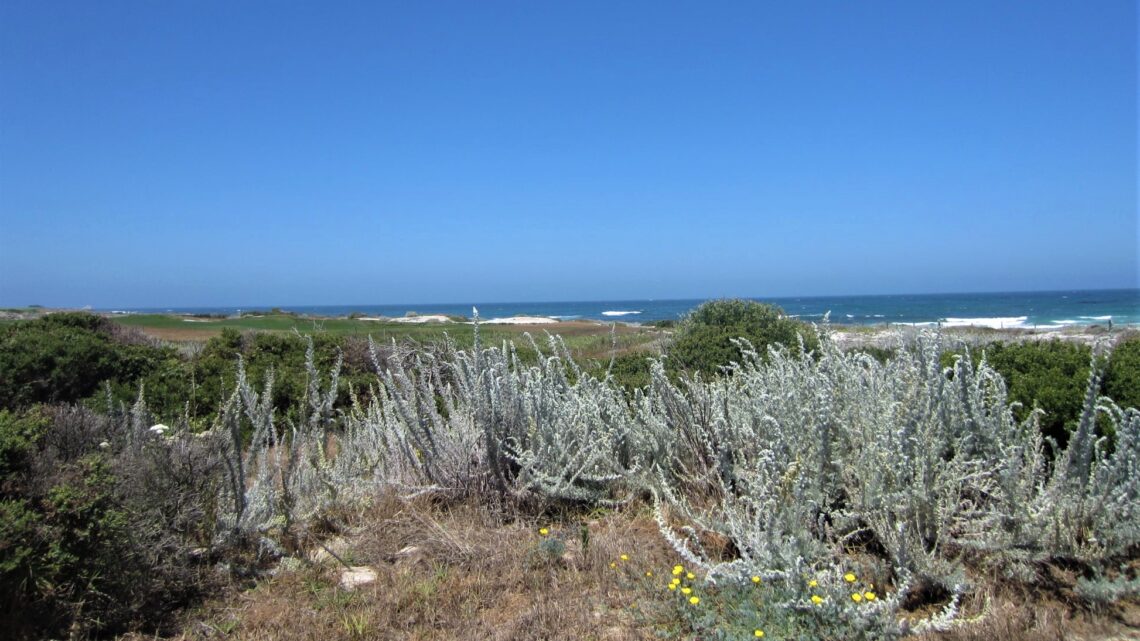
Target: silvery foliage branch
[(312, 477), (470, 421), (1090, 507), (932, 472), (795, 456), (248, 501), (578, 437), (748, 450), (415, 432), (275, 482)]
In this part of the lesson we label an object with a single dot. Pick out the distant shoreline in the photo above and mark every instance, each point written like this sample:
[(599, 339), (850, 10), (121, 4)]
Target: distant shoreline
[(885, 334), (1041, 310)]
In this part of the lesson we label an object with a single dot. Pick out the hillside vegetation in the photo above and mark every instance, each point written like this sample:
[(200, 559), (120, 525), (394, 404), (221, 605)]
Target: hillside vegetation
[(784, 486)]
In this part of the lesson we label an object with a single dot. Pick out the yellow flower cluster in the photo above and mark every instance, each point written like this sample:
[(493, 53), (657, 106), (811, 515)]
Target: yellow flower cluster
[(678, 570)]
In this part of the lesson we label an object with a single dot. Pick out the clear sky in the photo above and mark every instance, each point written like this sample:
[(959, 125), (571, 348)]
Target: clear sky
[(277, 153)]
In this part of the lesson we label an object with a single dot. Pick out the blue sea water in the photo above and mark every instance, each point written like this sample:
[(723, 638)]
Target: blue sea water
[(1012, 309)]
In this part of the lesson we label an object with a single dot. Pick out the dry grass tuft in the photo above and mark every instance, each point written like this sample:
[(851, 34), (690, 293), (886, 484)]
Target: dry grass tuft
[(458, 572), (1010, 615)]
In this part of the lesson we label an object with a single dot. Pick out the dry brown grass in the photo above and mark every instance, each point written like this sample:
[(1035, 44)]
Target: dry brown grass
[(181, 334), (461, 572), (1008, 618), (457, 572)]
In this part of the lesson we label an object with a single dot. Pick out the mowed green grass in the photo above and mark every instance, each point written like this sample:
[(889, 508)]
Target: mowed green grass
[(585, 340)]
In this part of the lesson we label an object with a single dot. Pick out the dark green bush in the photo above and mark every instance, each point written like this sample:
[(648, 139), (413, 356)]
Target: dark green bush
[(704, 339), (96, 533), (631, 370), (214, 373), (67, 357), (58, 358), (1122, 376), (881, 354), (1050, 375)]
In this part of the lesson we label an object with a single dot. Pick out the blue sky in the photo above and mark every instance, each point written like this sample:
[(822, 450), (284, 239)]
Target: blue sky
[(242, 153)]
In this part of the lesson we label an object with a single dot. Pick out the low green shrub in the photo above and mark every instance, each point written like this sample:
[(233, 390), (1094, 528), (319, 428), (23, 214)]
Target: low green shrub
[(98, 522), (631, 370), (705, 339), (67, 357), (1122, 376), (1048, 375)]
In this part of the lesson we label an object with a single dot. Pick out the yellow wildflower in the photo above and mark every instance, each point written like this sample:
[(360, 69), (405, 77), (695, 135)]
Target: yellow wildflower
[(694, 600), (856, 597), (755, 579), (677, 570), (759, 634), (816, 599), (648, 574), (690, 576), (672, 586), (612, 564), (624, 557), (850, 578), (543, 531), (813, 583), (870, 596), (676, 581), (686, 590)]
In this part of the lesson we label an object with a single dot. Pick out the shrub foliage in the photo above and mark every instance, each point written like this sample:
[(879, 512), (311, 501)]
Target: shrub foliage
[(800, 460), (706, 338)]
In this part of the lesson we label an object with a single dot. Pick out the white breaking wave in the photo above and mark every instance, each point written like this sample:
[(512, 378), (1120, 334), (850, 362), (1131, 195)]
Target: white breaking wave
[(619, 313), (995, 323), (1100, 318)]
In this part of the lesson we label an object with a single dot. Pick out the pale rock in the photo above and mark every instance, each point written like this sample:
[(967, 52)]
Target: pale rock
[(321, 554), (356, 576)]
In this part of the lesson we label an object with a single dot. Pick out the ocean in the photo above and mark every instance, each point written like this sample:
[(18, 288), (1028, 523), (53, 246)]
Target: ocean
[(1000, 310)]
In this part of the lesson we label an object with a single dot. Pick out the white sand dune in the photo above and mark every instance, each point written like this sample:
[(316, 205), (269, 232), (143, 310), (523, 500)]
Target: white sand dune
[(430, 318), (520, 320)]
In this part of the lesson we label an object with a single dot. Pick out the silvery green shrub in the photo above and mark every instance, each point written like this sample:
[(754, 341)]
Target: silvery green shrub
[(800, 457), (795, 459)]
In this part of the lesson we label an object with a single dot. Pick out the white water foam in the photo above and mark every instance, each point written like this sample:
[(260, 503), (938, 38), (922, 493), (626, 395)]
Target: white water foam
[(1099, 318), (1001, 322), (619, 313)]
